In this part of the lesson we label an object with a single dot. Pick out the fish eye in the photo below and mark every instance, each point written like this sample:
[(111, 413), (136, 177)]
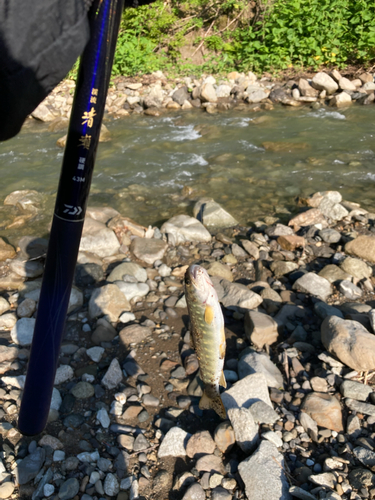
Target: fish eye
[(187, 281)]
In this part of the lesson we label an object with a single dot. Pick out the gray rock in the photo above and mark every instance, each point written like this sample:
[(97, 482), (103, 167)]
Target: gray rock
[(263, 413), (350, 290), (194, 492), (111, 485), (260, 363), (257, 96), (113, 376), (148, 249), (281, 268), (298, 492), (26, 309), (27, 269), (220, 493), (247, 391), (245, 429), (323, 310), (182, 228), (63, 374), (23, 331), (260, 329), (330, 235), (350, 342), (365, 408), (180, 95), (309, 424), (263, 474), (322, 81), (108, 300), (213, 215), (235, 296), (141, 443), (356, 268), (365, 456), (355, 390), (353, 426), (130, 268), (273, 438), (361, 478), (174, 443), (134, 334), (208, 93), (327, 479), (69, 489), (83, 390), (95, 353), (4, 305), (314, 285), (333, 273), (98, 239), (103, 418), (29, 467)]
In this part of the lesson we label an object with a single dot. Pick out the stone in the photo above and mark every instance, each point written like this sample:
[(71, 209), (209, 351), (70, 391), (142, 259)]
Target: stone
[(51, 441), (254, 362), (224, 436), (247, 391), (23, 331), (257, 96), (194, 492), (6, 251), (306, 89), (341, 100), (364, 408), (263, 474), (182, 228), (95, 353), (83, 390), (200, 443), (298, 492), (281, 268), (213, 215), (356, 268), (251, 248), (245, 429), (69, 489), (291, 242), (113, 376), (235, 296), (148, 250), (353, 426), (128, 268), (324, 409), (319, 384), (221, 270), (174, 443), (308, 218), (350, 290), (8, 353), (63, 374), (361, 478), (333, 273), (180, 95), (330, 235), (365, 456), (273, 438), (260, 329), (126, 441), (29, 467), (323, 310), (271, 300), (327, 479), (355, 390), (98, 239), (7, 321), (322, 81), (134, 334), (27, 269), (314, 285), (362, 247), (210, 463), (111, 485), (208, 93), (26, 309), (350, 342), (109, 301), (43, 113), (263, 413)]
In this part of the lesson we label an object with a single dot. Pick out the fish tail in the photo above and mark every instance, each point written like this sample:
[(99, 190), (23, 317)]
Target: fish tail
[(214, 403)]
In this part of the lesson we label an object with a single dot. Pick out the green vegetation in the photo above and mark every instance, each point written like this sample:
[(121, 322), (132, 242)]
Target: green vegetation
[(258, 35)]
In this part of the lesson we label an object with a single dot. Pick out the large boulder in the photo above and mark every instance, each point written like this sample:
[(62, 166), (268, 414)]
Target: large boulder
[(97, 238), (350, 342), (182, 228), (362, 247), (322, 81), (213, 215)]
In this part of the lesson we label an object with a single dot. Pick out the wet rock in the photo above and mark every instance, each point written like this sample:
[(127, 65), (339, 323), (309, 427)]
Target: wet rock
[(350, 342), (23, 331), (322, 81), (69, 489), (98, 239), (355, 390), (108, 300), (235, 296), (200, 443), (213, 215), (134, 334), (260, 329), (263, 474), (113, 376), (174, 443), (245, 429), (254, 362), (247, 391), (128, 268), (314, 285), (182, 228), (224, 436), (29, 467), (148, 250), (362, 247), (218, 269), (324, 409)]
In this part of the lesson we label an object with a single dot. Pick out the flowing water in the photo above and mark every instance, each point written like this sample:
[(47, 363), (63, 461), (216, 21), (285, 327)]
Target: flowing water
[(253, 164)]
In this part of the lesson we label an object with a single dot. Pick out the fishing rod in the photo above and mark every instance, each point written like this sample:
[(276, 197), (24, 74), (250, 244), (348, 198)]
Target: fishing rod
[(71, 202)]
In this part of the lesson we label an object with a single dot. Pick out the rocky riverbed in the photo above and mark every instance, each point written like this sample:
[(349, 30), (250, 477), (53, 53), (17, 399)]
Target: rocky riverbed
[(298, 302), (154, 94)]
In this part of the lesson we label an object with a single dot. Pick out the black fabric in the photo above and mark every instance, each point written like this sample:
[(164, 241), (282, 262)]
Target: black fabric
[(39, 42)]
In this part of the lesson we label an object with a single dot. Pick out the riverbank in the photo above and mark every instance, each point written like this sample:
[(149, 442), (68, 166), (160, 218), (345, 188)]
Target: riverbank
[(153, 94), (298, 301)]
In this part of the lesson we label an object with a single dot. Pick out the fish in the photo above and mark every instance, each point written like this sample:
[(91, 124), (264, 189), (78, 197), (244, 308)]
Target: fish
[(208, 335)]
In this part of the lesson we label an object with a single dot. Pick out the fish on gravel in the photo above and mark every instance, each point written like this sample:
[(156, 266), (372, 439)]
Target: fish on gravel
[(208, 335)]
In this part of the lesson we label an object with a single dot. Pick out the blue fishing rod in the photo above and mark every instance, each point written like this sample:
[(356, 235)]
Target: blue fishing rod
[(71, 202)]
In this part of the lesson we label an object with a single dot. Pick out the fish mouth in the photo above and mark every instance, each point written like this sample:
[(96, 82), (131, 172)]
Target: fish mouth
[(193, 271)]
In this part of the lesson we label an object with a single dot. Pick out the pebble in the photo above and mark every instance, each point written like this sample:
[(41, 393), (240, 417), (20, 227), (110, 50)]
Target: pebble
[(95, 353), (113, 375), (69, 489), (355, 390), (194, 492), (111, 485)]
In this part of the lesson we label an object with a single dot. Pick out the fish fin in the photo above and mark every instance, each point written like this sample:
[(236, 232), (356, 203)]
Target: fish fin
[(215, 403), (222, 380), (209, 315)]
